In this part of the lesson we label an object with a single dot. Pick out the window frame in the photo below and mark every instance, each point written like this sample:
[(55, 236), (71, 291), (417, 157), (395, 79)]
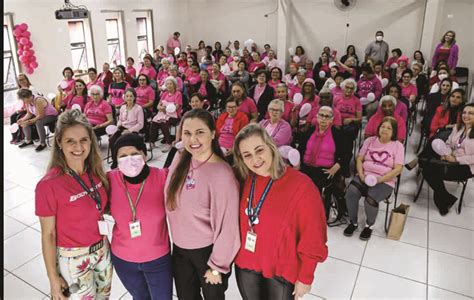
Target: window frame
[(12, 53), (88, 48)]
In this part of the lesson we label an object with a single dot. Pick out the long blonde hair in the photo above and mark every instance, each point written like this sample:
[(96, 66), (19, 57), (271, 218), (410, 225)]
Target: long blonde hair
[(277, 168), (93, 162)]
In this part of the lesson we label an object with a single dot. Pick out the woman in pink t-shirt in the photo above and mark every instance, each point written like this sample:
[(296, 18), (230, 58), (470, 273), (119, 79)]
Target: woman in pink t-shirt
[(145, 93), (77, 96), (409, 90), (141, 257), (98, 111), (382, 157), (246, 104), (130, 70), (275, 78), (70, 201), (148, 68)]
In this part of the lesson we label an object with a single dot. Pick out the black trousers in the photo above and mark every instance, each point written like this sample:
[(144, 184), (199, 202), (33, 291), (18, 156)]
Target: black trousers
[(189, 267), (253, 286), (434, 172)]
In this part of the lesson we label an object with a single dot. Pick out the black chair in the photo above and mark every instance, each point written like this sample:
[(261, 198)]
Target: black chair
[(462, 75)]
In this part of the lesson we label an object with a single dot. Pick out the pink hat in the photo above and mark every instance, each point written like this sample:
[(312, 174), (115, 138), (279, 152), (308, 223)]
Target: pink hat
[(310, 80), (403, 58)]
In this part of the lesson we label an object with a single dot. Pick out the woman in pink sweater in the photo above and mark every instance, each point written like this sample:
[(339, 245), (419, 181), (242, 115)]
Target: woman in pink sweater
[(202, 203), (278, 129)]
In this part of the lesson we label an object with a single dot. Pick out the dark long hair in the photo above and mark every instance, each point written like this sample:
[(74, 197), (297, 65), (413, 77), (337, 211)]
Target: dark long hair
[(84, 92), (179, 175), (447, 105), (460, 123)]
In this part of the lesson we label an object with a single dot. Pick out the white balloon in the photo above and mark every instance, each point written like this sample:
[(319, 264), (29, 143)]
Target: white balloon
[(63, 84), (170, 108), (332, 85), (322, 74), (371, 97), (111, 129), (305, 109), (394, 66), (440, 147), (291, 50), (364, 101), (332, 64), (76, 106), (14, 128), (296, 59), (384, 82), (284, 150), (294, 157), (179, 145), (297, 98), (51, 96), (177, 51), (370, 180)]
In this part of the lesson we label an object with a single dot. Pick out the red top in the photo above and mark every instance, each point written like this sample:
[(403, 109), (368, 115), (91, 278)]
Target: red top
[(440, 121), (291, 234), (61, 196), (240, 120)]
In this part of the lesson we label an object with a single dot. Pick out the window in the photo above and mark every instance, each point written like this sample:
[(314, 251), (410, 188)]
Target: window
[(9, 70), (78, 45), (113, 42), (142, 37)]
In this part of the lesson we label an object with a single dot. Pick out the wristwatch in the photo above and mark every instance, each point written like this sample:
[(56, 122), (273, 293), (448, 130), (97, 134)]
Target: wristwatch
[(214, 272)]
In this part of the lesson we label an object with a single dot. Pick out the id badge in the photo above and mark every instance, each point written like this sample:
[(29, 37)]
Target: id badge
[(250, 241), (103, 227), (135, 229)]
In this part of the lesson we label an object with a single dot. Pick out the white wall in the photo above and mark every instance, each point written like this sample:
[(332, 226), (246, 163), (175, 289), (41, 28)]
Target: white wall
[(311, 23)]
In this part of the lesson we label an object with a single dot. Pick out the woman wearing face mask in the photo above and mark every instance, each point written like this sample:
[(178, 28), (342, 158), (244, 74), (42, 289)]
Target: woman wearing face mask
[(443, 73), (140, 247), (447, 50), (201, 196), (282, 225)]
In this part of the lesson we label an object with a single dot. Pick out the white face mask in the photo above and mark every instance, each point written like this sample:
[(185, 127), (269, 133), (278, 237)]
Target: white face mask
[(379, 38), (442, 76)]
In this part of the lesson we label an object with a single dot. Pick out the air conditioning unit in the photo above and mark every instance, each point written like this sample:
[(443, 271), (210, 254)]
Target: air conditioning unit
[(78, 13)]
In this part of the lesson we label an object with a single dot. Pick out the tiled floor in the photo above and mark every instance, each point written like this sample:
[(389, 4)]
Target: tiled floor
[(434, 258)]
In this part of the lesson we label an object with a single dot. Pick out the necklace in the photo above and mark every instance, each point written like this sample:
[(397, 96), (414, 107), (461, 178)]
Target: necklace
[(190, 182)]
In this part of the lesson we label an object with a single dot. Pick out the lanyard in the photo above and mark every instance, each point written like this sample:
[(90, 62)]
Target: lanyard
[(94, 194), (134, 207), (461, 138), (254, 213)]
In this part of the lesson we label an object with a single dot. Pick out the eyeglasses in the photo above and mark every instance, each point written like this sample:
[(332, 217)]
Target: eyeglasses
[(323, 116), (142, 79), (231, 107), (95, 94), (274, 110), (350, 88)]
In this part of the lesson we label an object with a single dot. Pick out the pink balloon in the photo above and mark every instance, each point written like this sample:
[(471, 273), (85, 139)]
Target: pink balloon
[(32, 51), (23, 26), (26, 53), (16, 26), (19, 52), (284, 150), (24, 41), (305, 109), (17, 32), (29, 71), (26, 34), (33, 65), (111, 129), (179, 145), (30, 44), (296, 59), (370, 180), (297, 98), (294, 157), (439, 146), (23, 59)]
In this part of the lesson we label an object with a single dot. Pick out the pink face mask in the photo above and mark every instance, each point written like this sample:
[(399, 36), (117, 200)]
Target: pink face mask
[(131, 165)]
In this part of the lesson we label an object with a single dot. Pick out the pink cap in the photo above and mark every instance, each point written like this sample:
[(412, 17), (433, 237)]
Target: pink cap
[(310, 80), (403, 58)]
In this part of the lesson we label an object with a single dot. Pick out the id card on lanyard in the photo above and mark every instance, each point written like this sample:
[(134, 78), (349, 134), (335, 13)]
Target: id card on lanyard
[(134, 225), (253, 214), (94, 195)]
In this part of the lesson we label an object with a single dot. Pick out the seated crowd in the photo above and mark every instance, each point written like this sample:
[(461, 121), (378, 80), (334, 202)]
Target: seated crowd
[(239, 106)]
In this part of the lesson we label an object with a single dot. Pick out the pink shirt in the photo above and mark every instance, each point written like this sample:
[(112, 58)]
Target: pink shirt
[(61, 196), (248, 107), (176, 98), (270, 63), (97, 113), (49, 110), (320, 149), (258, 92), (172, 44), (70, 100), (150, 72), (150, 211), (280, 132), (145, 94), (96, 82), (226, 136), (131, 119), (274, 84), (70, 85), (117, 91), (348, 106), (208, 214), (161, 76), (409, 90), (131, 71), (379, 159), (336, 92), (366, 86)]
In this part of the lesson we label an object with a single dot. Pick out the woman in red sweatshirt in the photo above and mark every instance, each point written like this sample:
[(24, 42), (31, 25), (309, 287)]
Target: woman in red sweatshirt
[(282, 222)]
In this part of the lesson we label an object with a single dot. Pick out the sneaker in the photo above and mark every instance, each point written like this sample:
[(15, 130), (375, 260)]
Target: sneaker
[(40, 148), (365, 234), (24, 144), (349, 231), (411, 164)]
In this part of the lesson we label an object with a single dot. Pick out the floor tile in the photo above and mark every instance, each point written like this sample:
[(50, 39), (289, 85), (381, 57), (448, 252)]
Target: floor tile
[(442, 268), (7, 184), (350, 249), (334, 279), (36, 226), (439, 294), (15, 288), (118, 290), (11, 227), (372, 284), (34, 272), (396, 258), (24, 213), (5, 272), (16, 196), (21, 248), (464, 220), (451, 240)]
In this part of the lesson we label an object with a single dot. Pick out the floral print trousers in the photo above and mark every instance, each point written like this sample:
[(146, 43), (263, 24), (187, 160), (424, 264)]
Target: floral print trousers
[(92, 272)]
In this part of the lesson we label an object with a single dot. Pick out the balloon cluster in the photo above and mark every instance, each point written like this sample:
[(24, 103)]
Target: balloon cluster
[(25, 48)]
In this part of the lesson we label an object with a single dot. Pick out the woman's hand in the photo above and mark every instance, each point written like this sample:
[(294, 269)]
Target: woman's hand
[(57, 284), (332, 171), (213, 279), (449, 158), (161, 107), (301, 289), (347, 121)]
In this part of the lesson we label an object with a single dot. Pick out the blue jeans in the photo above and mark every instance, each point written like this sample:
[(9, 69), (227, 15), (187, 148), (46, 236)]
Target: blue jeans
[(149, 280)]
